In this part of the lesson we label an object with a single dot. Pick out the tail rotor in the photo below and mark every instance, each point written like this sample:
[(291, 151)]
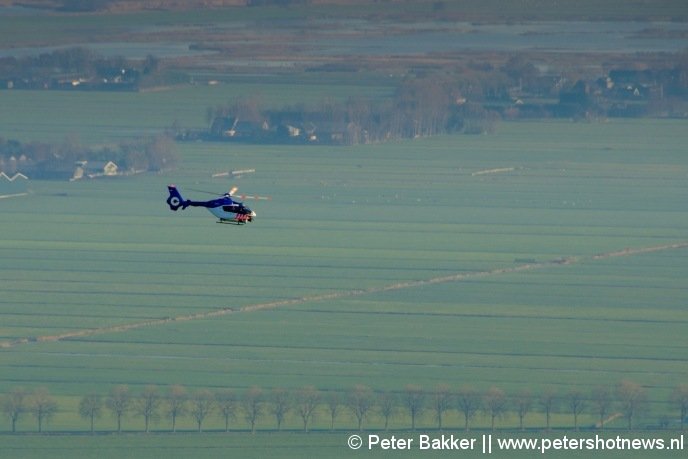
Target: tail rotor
[(175, 200)]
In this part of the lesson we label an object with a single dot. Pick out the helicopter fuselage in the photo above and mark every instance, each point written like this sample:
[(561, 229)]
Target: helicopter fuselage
[(229, 211), (224, 208)]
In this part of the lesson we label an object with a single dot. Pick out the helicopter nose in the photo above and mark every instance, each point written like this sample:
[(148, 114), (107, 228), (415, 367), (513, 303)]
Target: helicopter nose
[(253, 214)]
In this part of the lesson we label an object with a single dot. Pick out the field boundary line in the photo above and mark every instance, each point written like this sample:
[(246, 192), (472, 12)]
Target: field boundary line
[(344, 294), (498, 170), (15, 195)]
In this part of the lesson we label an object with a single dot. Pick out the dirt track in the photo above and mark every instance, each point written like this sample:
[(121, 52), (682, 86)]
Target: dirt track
[(337, 295)]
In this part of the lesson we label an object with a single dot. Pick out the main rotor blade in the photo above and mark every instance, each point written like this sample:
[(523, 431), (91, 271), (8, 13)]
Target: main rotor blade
[(259, 198), (231, 193), (206, 192)]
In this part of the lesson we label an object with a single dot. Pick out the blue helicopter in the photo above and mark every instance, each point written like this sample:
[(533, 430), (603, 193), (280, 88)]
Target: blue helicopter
[(226, 209)]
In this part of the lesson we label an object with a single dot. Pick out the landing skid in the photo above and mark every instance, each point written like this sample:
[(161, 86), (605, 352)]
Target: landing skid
[(230, 222)]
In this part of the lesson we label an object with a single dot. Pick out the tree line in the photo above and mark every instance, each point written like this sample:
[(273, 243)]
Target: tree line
[(470, 99), (80, 68), (49, 160), (420, 107), (627, 399)]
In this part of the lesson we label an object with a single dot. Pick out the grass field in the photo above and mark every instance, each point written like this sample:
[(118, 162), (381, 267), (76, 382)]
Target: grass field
[(546, 256), (283, 445), (419, 262), (51, 29), (100, 254), (99, 118)]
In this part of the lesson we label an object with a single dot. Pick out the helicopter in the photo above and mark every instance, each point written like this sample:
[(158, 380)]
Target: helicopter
[(226, 209)]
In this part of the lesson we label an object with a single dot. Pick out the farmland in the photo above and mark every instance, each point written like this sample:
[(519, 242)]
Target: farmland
[(546, 256), (339, 259)]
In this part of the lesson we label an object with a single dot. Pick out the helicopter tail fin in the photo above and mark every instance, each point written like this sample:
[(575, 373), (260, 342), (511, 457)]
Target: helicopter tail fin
[(175, 200)]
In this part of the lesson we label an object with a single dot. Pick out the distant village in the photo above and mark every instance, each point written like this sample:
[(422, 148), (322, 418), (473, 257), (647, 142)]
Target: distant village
[(424, 103), (431, 105), (71, 161), (77, 69)]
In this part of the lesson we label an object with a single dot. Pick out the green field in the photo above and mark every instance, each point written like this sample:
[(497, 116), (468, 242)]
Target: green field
[(98, 254), (548, 256), (50, 29), (101, 118), (286, 445), (420, 262)]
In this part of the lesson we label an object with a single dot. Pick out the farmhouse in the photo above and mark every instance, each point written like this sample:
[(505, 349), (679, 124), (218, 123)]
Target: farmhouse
[(92, 169)]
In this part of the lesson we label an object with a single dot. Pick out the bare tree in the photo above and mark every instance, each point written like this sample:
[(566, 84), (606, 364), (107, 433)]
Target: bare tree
[(441, 402), (523, 403), (387, 405), (210, 114), (279, 405), (90, 407), (632, 398), (151, 64), (252, 404), (468, 402), (576, 402), (42, 406), (118, 402), (226, 401), (494, 404), (548, 402), (414, 398), (146, 405), (202, 404), (679, 396), (248, 108), (307, 399), (602, 400), (521, 71), (424, 106), (334, 401), (160, 151), (14, 404), (176, 404), (360, 402)]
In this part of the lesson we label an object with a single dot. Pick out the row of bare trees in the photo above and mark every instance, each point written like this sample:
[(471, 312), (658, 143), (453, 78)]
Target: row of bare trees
[(145, 153), (420, 107), (627, 399), (51, 69)]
